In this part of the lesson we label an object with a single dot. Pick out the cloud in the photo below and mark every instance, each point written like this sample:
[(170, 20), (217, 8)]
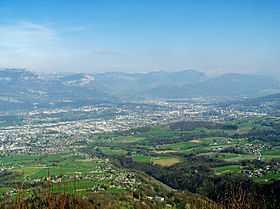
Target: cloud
[(44, 48), (24, 36), (23, 44)]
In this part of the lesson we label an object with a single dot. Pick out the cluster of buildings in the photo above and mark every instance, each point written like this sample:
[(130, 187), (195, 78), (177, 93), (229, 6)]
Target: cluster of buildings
[(260, 171), (55, 130), (103, 176)]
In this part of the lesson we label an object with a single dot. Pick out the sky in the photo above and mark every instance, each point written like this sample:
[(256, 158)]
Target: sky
[(213, 36)]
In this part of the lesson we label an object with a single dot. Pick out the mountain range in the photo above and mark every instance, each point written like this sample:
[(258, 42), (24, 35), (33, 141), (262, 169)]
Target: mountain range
[(20, 88)]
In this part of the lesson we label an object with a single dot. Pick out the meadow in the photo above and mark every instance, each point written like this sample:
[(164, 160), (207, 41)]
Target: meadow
[(197, 156), (64, 171), (231, 147)]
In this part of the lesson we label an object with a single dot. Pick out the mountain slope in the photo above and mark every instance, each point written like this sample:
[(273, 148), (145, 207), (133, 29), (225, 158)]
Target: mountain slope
[(21, 89), (136, 84), (227, 85)]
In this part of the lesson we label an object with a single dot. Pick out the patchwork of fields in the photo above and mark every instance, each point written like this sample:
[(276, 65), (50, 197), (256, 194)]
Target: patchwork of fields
[(229, 146), (184, 156), (65, 172)]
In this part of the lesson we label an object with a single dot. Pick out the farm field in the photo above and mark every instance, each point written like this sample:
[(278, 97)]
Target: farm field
[(65, 172), (161, 160), (187, 156), (229, 147)]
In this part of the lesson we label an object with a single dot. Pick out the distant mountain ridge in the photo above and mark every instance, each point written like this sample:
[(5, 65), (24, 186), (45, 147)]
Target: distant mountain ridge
[(238, 85), (22, 88), (186, 84), (129, 84)]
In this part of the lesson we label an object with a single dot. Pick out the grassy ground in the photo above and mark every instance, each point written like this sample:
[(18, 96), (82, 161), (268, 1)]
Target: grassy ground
[(166, 162), (160, 160), (271, 176), (128, 139), (112, 151), (73, 171), (227, 169)]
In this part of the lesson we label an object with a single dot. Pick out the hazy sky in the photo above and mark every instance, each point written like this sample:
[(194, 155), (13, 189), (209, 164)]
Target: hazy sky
[(140, 35)]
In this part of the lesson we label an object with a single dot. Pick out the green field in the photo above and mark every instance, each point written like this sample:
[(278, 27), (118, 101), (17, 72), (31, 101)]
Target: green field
[(112, 151), (227, 169), (270, 177), (128, 139), (161, 160), (66, 171), (186, 149), (227, 148)]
